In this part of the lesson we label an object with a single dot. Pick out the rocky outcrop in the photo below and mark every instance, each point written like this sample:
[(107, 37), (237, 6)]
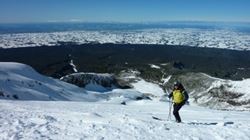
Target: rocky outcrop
[(104, 80)]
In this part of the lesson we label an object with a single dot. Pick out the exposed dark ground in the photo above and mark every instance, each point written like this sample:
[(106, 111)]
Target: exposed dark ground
[(113, 58)]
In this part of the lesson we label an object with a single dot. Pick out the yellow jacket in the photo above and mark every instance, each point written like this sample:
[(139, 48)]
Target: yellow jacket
[(178, 96)]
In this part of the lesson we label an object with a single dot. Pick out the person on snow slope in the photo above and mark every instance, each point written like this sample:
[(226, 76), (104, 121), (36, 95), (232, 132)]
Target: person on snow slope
[(179, 97)]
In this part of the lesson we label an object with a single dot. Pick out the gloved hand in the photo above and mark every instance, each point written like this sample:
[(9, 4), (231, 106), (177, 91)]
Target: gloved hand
[(169, 96)]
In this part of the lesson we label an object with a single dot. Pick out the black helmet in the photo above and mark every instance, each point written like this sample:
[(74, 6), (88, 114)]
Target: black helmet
[(177, 83)]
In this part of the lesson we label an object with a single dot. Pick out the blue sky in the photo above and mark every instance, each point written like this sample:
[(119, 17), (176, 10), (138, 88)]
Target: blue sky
[(12, 11)]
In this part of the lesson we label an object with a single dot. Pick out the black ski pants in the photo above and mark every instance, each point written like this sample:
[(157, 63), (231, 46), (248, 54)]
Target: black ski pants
[(177, 107)]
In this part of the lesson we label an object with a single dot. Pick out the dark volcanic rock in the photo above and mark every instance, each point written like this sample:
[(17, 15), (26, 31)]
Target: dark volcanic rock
[(105, 80), (113, 58)]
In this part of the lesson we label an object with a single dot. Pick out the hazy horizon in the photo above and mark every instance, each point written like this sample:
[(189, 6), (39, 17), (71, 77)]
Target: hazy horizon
[(129, 11)]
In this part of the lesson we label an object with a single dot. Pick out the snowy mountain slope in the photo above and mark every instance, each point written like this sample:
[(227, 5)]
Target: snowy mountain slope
[(19, 81), (103, 120), (215, 93), (227, 94), (214, 38), (115, 114), (204, 90)]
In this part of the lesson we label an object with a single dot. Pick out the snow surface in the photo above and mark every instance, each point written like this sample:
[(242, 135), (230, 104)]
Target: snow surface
[(165, 80), (241, 87), (101, 115), (216, 38), (147, 87), (24, 82), (73, 65), (154, 66), (103, 120)]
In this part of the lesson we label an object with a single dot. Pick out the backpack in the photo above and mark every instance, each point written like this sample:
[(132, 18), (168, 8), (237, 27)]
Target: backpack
[(180, 96)]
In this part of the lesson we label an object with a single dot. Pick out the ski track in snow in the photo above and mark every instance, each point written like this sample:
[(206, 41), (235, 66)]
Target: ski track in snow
[(102, 120)]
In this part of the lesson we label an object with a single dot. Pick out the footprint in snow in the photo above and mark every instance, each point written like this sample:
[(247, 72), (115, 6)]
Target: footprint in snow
[(50, 118), (93, 115)]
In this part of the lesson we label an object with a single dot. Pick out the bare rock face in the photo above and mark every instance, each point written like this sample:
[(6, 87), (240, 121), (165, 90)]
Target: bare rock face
[(104, 80)]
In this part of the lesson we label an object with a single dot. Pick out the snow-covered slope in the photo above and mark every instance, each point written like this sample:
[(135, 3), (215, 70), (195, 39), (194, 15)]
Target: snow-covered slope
[(227, 94), (215, 93), (19, 81), (116, 114), (203, 89), (148, 88), (101, 120), (215, 38)]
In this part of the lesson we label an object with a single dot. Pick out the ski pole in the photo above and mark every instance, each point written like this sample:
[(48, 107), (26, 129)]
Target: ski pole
[(170, 108)]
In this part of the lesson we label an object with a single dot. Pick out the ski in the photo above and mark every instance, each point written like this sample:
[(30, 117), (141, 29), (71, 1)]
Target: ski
[(156, 118)]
